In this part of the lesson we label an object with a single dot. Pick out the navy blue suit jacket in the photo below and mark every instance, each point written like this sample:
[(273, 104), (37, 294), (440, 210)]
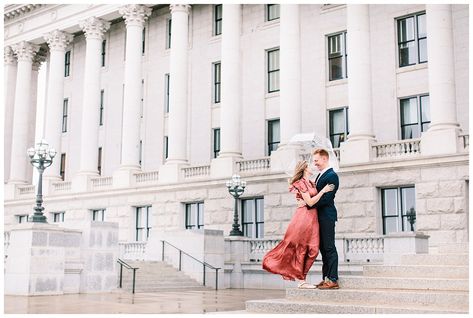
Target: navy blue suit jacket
[(326, 206)]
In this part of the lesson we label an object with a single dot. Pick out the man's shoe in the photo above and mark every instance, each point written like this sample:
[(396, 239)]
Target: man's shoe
[(320, 284), (329, 285)]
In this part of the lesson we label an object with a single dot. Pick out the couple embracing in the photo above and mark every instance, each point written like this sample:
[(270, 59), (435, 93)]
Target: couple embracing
[(312, 228)]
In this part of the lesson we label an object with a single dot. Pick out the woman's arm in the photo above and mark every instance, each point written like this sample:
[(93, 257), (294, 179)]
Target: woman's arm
[(310, 201)]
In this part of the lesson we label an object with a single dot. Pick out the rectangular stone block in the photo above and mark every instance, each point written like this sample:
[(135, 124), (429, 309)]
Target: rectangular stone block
[(39, 239), (454, 221), (428, 222), (438, 173), (272, 200), (451, 188), (442, 205), (426, 190), (282, 214), (349, 210)]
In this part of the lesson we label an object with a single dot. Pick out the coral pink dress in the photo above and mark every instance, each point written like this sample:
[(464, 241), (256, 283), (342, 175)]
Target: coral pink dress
[(295, 254)]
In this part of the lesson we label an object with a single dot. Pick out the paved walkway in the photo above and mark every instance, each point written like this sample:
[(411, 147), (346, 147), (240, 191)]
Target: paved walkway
[(196, 301)]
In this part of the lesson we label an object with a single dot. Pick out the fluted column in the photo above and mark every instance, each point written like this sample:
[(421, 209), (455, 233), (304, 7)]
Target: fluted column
[(442, 137), (57, 42), (358, 148), (135, 16), (94, 30), (9, 78), (290, 74), (178, 84), (230, 109), (25, 53)]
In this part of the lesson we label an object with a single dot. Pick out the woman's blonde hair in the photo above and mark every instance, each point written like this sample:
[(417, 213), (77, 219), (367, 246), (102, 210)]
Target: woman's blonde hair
[(298, 171)]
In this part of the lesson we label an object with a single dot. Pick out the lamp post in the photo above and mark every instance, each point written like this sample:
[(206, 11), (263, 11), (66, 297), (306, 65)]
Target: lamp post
[(411, 217), (236, 187), (41, 157)]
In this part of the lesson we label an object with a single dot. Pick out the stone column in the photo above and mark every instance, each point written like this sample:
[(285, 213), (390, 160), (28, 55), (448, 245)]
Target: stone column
[(9, 79), (57, 42), (94, 29), (135, 16), (357, 149), (25, 53), (230, 109), (442, 136), (170, 172), (290, 93)]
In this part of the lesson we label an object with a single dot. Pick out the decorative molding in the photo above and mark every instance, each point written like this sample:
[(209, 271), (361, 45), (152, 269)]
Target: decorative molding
[(58, 40), (180, 8), (9, 56), (25, 51), (94, 28), (135, 14), (14, 11)]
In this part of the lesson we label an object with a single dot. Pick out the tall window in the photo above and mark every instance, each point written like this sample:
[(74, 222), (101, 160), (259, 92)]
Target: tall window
[(166, 92), (273, 135), (218, 19), (67, 64), (195, 215), (65, 106), (23, 218), (143, 222), (143, 41), (168, 34), (141, 151), (415, 116), (102, 93), (253, 217), (412, 39), (272, 12), (165, 150), (62, 169), (273, 70), (338, 122), (99, 161), (397, 203), (142, 97), (216, 142), (98, 215), (217, 81), (104, 44), (337, 56), (58, 217)]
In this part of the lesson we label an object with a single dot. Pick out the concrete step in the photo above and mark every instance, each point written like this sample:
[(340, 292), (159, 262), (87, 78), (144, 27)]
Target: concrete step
[(417, 271), (285, 306), (454, 248), (363, 282), (435, 259), (373, 297)]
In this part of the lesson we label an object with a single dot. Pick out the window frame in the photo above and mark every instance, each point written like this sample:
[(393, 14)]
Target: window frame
[(199, 216), (104, 44), (420, 121), (346, 124), (67, 63), (99, 161), (168, 33), (401, 215), (270, 71), (167, 79), (165, 147), (416, 39), (147, 225), (98, 212), (143, 41), (19, 218), (62, 166), (217, 81), (58, 217), (65, 110), (218, 22), (343, 55), (270, 141), (256, 223), (268, 11), (216, 145), (102, 100)]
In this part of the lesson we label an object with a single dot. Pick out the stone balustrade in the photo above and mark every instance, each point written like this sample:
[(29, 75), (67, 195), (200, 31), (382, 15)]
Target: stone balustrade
[(101, 182), (262, 164), (132, 250), (397, 149), (197, 171), (365, 249), (6, 243), (148, 176), (62, 186), (259, 247), (25, 190)]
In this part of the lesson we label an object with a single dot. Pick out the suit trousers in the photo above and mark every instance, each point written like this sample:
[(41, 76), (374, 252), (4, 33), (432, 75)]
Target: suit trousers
[(328, 249)]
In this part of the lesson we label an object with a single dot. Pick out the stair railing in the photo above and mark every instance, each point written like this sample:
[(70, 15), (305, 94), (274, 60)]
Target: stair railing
[(127, 266), (204, 264)]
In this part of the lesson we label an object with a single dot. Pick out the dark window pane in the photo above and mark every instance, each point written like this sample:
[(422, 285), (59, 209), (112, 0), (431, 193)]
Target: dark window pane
[(335, 67), (406, 29), (407, 53), (273, 12), (408, 200), (410, 131), (409, 111)]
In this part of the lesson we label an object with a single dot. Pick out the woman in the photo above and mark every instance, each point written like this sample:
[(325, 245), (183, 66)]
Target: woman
[(295, 254)]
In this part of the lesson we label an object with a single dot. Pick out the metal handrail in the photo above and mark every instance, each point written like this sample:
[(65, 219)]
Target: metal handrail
[(204, 264), (123, 263)]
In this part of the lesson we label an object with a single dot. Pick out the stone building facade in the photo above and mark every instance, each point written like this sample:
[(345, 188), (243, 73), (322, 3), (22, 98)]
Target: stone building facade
[(155, 91)]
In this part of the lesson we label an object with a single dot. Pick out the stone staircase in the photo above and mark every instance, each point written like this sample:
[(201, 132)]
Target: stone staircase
[(422, 283), (154, 276)]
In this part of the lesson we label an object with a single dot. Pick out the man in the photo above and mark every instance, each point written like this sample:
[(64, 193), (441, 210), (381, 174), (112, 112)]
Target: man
[(327, 214)]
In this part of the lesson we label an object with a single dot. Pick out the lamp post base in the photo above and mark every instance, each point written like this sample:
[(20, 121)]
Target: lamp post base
[(236, 233), (38, 219)]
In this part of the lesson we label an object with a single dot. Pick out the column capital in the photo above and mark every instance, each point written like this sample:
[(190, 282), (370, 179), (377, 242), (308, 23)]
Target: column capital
[(9, 56), (94, 28), (135, 14), (25, 51), (58, 40), (39, 58), (180, 8)]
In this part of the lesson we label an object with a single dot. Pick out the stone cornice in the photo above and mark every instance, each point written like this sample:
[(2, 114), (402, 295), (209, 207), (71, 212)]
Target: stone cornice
[(14, 11), (135, 14), (180, 8), (94, 28), (58, 40), (9, 56), (25, 51)]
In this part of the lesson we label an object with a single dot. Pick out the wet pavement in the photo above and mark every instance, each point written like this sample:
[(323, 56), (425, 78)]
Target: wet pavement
[(195, 301)]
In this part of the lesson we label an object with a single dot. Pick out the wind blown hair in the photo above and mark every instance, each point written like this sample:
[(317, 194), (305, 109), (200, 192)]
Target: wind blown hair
[(321, 152), (298, 171)]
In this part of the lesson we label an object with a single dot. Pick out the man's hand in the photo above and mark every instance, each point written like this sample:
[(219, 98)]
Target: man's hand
[(300, 203)]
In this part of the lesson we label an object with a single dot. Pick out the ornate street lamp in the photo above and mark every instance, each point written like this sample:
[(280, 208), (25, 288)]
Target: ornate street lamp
[(411, 217), (41, 157), (236, 187)]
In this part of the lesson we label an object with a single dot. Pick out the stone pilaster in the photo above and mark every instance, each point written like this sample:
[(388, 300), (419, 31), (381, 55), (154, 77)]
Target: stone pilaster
[(9, 79)]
